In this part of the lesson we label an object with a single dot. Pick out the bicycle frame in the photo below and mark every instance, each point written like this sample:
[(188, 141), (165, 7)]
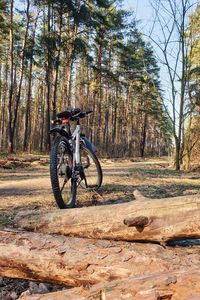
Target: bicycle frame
[(66, 133), (70, 165)]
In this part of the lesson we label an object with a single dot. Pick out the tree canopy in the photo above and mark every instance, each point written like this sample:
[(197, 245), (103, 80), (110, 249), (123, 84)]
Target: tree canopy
[(89, 54)]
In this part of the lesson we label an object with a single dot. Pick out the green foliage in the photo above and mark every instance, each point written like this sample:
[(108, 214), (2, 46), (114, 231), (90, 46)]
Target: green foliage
[(3, 16), (4, 25), (193, 35)]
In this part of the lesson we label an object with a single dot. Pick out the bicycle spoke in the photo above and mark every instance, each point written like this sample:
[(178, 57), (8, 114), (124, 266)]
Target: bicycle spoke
[(86, 185), (65, 181), (91, 169), (60, 161)]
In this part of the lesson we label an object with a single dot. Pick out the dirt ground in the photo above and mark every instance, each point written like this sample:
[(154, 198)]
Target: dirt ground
[(29, 188)]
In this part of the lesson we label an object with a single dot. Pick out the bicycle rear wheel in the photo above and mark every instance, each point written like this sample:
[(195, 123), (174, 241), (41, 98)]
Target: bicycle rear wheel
[(63, 184), (92, 169)]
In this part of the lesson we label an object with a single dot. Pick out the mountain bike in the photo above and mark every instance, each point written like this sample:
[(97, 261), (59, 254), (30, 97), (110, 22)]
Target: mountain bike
[(73, 161)]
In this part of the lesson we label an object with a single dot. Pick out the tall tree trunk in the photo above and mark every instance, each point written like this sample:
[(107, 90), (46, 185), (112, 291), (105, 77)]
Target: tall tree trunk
[(100, 95), (10, 119), (22, 70), (182, 96), (143, 135), (48, 80), (114, 118), (27, 133), (3, 111), (54, 103), (1, 83), (42, 120), (107, 105), (70, 60)]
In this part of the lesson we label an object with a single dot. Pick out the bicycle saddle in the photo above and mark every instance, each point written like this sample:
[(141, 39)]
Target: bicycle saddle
[(73, 114), (68, 113)]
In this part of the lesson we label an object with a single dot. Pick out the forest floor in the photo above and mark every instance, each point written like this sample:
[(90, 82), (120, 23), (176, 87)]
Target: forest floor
[(27, 187)]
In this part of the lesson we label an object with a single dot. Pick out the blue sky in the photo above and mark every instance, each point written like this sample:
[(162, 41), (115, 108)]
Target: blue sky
[(141, 7), (145, 13)]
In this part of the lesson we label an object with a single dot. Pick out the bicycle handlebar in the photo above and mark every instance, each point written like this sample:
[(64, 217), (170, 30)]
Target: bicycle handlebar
[(79, 114), (89, 112)]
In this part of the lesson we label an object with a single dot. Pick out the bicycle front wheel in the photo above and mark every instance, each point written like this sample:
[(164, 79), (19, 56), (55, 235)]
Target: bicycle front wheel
[(63, 184), (92, 169)]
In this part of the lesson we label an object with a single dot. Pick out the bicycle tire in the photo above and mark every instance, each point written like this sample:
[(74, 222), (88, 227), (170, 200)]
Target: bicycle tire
[(64, 198), (96, 167)]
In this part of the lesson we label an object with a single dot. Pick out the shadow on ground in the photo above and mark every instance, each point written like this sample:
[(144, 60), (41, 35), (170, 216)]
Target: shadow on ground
[(154, 191)]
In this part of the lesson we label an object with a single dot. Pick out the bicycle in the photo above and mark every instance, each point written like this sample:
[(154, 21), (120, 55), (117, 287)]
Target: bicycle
[(73, 161)]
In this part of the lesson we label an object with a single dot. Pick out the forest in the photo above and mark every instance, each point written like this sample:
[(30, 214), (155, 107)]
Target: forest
[(128, 227), (89, 54)]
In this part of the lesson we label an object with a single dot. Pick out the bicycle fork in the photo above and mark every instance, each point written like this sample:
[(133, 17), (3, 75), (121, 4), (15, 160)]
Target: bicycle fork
[(77, 170), (76, 146)]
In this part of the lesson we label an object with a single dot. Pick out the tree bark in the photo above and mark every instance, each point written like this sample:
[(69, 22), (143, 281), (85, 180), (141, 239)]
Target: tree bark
[(11, 88), (48, 80), (158, 220), (67, 88), (143, 135), (182, 30), (57, 61), (3, 106), (22, 70), (27, 131), (76, 262), (167, 285)]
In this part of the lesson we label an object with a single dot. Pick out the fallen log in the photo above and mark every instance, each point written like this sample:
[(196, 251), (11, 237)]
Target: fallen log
[(75, 261), (157, 220), (184, 285)]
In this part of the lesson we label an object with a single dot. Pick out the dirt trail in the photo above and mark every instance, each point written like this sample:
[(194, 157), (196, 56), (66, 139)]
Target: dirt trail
[(30, 187)]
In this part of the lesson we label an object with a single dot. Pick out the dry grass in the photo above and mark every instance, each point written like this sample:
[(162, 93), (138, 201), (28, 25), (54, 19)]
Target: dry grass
[(29, 188)]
